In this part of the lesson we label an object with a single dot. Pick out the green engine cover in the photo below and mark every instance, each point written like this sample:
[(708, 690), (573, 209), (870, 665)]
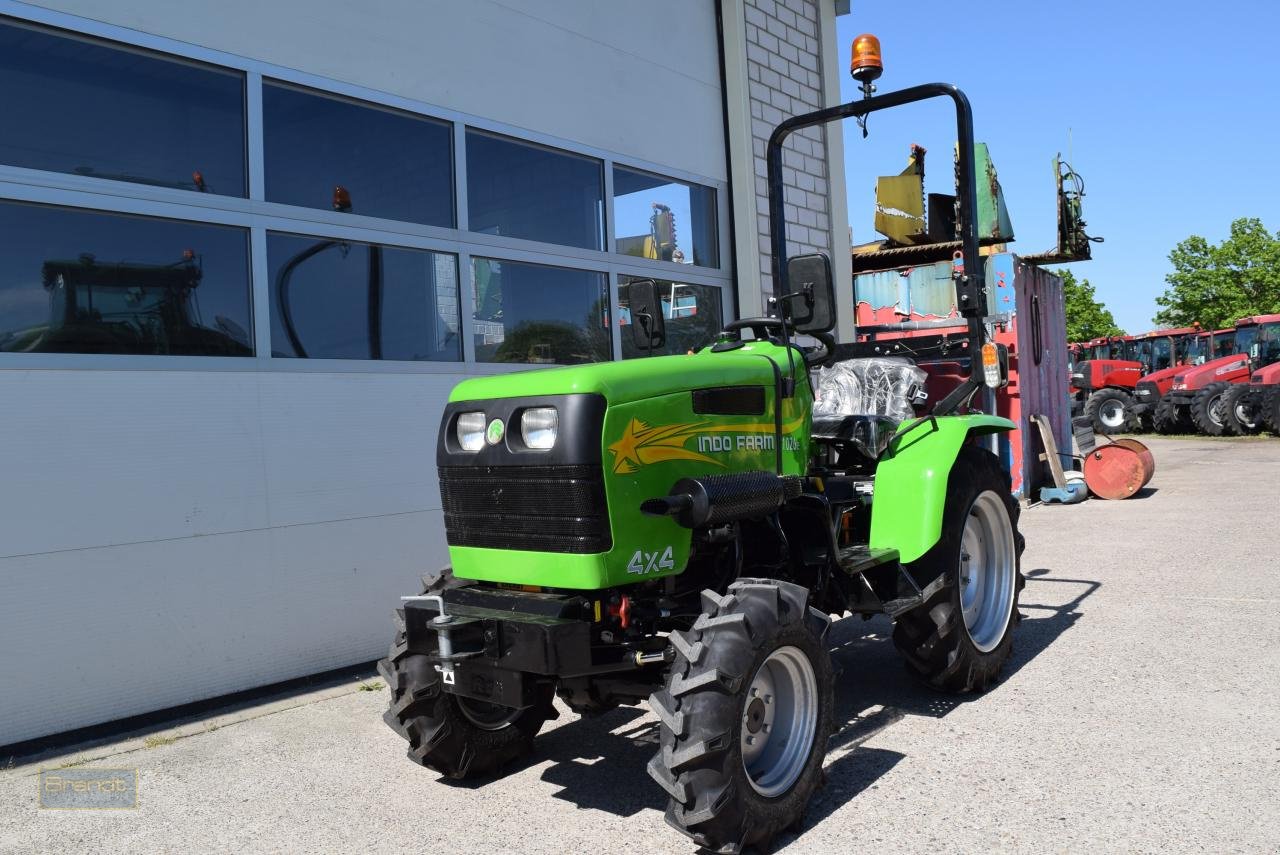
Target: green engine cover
[(652, 438)]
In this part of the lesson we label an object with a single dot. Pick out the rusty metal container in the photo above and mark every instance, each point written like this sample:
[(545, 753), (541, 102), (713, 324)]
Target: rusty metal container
[(1118, 469)]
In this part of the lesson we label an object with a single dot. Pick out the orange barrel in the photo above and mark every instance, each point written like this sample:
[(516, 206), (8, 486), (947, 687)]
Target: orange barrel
[(1118, 469)]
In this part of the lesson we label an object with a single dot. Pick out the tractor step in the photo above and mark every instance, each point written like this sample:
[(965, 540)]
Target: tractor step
[(861, 558)]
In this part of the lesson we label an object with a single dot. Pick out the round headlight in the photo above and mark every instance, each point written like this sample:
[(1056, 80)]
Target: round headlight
[(470, 428), (539, 426)]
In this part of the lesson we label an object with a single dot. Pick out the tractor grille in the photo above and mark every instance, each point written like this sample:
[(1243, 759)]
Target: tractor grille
[(541, 508), (1147, 392)]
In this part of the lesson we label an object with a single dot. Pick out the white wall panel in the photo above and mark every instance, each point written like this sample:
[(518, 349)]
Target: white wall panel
[(340, 446), (582, 70), (172, 536), (98, 458)]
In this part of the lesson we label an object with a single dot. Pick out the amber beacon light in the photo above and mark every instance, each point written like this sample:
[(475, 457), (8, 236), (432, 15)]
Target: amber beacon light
[(866, 64)]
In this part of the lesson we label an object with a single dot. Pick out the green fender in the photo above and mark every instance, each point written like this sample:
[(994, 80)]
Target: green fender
[(911, 481)]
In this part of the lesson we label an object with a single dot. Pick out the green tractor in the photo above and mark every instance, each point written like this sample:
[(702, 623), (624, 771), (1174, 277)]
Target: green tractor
[(682, 529)]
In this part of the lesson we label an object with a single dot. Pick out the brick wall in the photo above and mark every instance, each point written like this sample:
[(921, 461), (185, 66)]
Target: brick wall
[(785, 79)]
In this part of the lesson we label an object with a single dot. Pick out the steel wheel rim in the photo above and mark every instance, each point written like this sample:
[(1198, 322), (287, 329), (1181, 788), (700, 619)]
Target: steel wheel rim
[(1244, 415), (1215, 411), (779, 721), (485, 715), (987, 569), (1111, 413)]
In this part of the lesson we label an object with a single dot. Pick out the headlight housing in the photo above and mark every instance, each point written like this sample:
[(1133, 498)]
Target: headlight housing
[(539, 427), (470, 431)]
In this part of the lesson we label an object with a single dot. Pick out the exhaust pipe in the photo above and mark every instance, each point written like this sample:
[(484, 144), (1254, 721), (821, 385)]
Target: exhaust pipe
[(718, 499)]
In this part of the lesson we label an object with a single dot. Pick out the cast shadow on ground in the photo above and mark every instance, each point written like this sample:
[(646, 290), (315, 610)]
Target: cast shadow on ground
[(599, 762)]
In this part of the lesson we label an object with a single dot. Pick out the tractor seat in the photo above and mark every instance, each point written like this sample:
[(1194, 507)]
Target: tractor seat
[(869, 435)]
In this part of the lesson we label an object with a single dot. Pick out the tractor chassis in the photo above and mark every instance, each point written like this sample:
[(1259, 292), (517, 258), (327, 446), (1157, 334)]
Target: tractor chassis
[(500, 646), (507, 646)]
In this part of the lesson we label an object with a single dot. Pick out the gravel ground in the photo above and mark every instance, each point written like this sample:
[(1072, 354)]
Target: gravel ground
[(1138, 714)]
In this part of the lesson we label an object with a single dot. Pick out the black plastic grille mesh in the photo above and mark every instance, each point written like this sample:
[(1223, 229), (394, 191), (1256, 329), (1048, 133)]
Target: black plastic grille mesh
[(1147, 391), (542, 508)]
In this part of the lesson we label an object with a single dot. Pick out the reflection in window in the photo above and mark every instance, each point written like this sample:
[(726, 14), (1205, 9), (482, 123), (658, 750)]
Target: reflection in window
[(74, 281), (538, 314), (76, 105), (334, 299), (520, 190), (392, 164), (660, 218), (693, 314)]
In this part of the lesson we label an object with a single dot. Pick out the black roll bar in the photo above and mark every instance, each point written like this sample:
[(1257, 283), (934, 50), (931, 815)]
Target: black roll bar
[(971, 288)]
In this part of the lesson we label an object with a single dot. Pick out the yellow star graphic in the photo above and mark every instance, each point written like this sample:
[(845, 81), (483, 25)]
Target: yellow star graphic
[(641, 445), (626, 451)]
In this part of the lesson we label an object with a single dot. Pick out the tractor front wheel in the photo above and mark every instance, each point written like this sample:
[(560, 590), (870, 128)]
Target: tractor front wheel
[(1271, 409), (1243, 407), (1110, 410), (1208, 412), (961, 636), (456, 736), (745, 716), (1168, 418)]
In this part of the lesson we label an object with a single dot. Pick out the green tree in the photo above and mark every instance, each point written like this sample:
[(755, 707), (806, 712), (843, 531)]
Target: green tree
[(1087, 317), (1219, 284)]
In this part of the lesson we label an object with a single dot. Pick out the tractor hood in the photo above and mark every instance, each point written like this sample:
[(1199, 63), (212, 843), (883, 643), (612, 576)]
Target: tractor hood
[(753, 364), (1267, 376), (1166, 375), (1112, 364), (1092, 374), (1224, 369)]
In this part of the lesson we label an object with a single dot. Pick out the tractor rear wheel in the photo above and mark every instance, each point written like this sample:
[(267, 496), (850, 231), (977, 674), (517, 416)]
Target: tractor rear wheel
[(961, 636), (1207, 410), (456, 736), (1243, 407), (1110, 410), (1168, 418), (745, 716)]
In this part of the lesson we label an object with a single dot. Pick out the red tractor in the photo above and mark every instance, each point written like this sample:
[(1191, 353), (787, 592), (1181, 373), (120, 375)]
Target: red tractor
[(1149, 407), (1108, 375), (1201, 393), (1255, 405), (1102, 369)]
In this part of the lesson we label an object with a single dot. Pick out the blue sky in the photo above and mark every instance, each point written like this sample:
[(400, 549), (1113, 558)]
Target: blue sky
[(1170, 107)]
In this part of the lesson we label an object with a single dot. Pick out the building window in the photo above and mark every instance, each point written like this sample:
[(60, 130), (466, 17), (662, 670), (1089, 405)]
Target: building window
[(660, 218), (76, 281), (337, 299), (125, 265), (80, 106), (520, 190), (693, 313), (539, 314), (391, 164)]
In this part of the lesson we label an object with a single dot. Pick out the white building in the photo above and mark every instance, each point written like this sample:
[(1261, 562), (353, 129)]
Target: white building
[(247, 248)]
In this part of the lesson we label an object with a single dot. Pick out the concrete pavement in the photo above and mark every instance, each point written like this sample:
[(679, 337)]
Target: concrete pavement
[(1139, 714)]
